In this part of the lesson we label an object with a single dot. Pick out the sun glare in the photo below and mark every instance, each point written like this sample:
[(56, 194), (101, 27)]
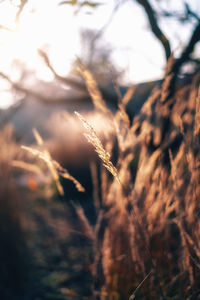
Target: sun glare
[(38, 28), (42, 24)]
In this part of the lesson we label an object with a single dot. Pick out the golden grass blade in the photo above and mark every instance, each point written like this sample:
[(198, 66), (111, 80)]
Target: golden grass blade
[(26, 166), (92, 138), (93, 89), (55, 169), (124, 115), (181, 126), (55, 176), (36, 152), (173, 167), (38, 137), (94, 175), (141, 283), (116, 85), (121, 125), (128, 95), (45, 156), (77, 184), (88, 230)]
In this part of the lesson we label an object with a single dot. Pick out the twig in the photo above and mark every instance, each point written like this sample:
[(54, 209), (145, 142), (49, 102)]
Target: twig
[(155, 28), (141, 283)]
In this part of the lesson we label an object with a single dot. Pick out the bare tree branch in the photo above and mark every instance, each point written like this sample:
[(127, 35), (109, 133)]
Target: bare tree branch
[(194, 39), (183, 16), (41, 98), (6, 28), (66, 80), (105, 26), (74, 83), (21, 7), (17, 17), (68, 99), (185, 56), (155, 28), (190, 12)]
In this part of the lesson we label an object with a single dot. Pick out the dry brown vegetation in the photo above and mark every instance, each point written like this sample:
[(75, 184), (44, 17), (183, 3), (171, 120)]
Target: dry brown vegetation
[(148, 221), (145, 239)]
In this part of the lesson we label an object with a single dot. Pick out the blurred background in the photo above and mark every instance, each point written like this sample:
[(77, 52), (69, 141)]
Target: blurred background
[(103, 34), (127, 42)]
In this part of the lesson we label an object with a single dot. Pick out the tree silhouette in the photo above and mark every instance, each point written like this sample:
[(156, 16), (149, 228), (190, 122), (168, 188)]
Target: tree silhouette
[(154, 14)]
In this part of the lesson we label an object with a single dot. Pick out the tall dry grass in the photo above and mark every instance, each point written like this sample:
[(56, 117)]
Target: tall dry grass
[(146, 240), (147, 233)]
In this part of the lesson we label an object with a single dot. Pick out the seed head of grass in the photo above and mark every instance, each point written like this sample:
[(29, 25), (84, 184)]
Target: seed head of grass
[(92, 138), (55, 169)]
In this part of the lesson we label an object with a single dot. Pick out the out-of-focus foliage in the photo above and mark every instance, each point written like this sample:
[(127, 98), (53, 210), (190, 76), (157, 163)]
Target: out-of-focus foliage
[(96, 55), (81, 4)]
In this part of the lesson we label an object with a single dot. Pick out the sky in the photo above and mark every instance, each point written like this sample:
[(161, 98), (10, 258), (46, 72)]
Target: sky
[(45, 24)]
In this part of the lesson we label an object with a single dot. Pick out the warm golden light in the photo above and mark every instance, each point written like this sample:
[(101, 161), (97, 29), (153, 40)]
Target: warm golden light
[(38, 28)]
